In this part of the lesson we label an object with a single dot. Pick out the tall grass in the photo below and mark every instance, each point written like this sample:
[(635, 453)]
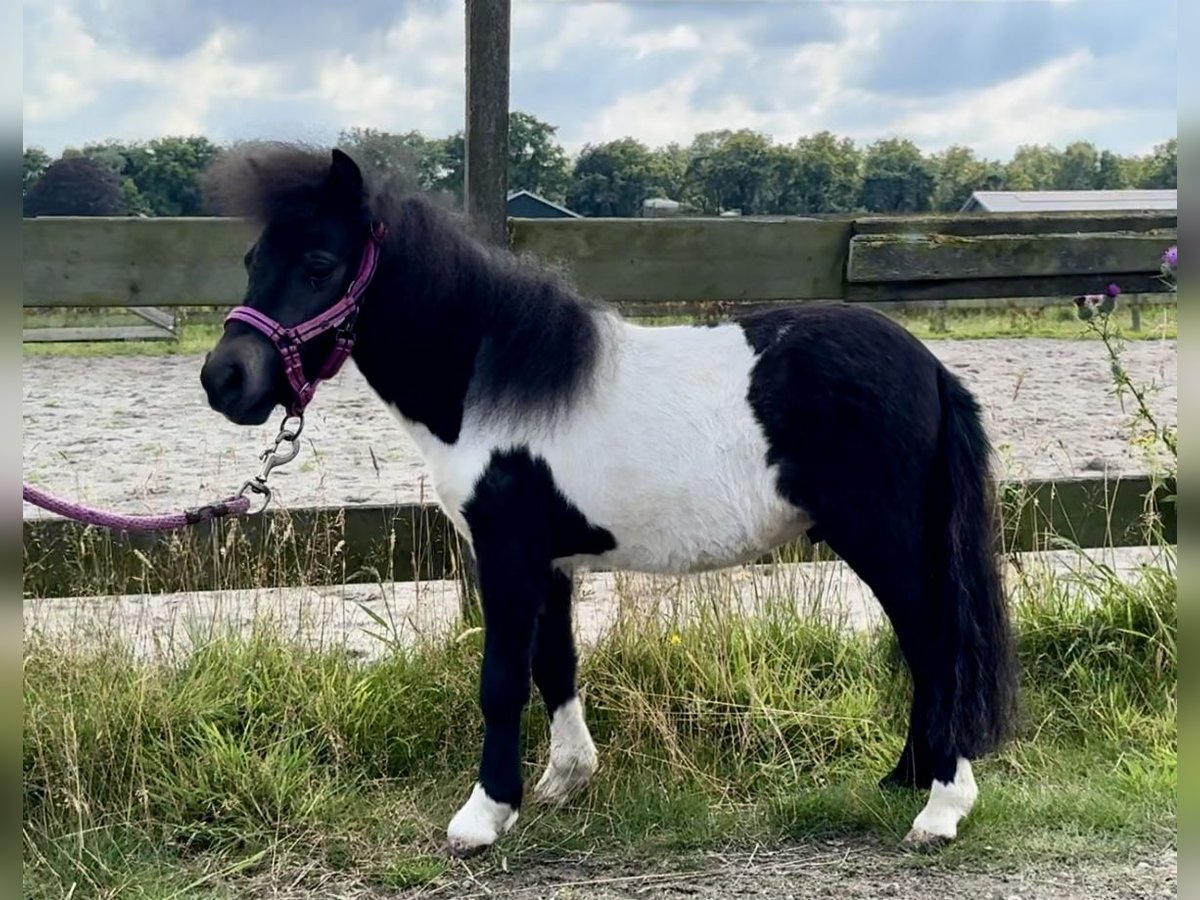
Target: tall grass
[(252, 754)]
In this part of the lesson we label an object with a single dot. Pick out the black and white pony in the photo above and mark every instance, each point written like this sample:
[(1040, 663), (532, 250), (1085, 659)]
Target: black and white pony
[(559, 436)]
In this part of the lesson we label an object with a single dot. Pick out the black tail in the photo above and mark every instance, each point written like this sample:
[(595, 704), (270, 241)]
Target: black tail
[(974, 706)]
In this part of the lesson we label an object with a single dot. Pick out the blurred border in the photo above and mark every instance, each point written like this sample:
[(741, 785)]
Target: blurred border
[(1188, 12), (11, 89)]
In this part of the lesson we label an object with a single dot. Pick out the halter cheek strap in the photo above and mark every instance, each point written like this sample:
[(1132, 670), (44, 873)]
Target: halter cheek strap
[(341, 316)]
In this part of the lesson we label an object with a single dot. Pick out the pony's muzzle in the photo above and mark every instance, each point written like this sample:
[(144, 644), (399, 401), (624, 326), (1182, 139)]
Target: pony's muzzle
[(240, 382)]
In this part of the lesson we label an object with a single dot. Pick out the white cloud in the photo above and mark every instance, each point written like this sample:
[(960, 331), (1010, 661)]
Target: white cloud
[(72, 74), (599, 70), (1022, 110), (415, 80), (680, 37), (546, 38), (812, 87), (785, 95)]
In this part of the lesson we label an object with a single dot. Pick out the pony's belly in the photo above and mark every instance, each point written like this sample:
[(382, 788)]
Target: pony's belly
[(666, 547)]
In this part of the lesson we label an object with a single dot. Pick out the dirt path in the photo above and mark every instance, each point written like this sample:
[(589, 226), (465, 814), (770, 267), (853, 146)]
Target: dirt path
[(831, 870), (135, 432)]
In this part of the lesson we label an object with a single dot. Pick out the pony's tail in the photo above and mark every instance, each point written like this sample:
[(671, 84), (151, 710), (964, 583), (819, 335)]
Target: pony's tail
[(974, 706)]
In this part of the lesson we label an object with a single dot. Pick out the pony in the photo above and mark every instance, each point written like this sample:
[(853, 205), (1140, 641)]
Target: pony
[(560, 436)]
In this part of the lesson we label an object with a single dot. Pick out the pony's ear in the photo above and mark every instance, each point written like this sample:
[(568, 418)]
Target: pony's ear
[(344, 175)]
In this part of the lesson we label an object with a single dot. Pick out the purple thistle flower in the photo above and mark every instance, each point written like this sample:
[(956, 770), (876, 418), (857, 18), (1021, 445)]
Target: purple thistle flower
[(1113, 291), (1171, 257)]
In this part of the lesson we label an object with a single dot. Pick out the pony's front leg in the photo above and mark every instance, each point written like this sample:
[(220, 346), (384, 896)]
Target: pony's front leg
[(513, 589)]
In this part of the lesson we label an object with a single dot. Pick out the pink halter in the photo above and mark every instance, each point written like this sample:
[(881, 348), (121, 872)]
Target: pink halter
[(342, 316)]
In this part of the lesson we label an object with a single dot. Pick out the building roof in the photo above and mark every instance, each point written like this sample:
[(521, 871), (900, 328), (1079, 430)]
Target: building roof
[(540, 199), (1068, 201)]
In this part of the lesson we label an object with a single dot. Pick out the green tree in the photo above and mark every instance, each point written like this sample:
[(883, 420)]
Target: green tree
[(34, 162), (670, 165), (1078, 167), (959, 173), (1115, 172), (402, 158), (733, 170), (613, 179), (1161, 168), (158, 178), (536, 161), (896, 177), (1033, 167), (167, 173), (115, 155), (824, 175), (75, 185)]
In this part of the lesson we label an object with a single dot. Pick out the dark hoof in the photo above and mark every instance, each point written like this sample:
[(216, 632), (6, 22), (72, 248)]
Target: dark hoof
[(916, 839), (465, 851)]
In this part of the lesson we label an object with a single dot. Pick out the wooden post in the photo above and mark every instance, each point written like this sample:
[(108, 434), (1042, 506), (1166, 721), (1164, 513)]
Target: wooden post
[(939, 318), (485, 156), (485, 178)]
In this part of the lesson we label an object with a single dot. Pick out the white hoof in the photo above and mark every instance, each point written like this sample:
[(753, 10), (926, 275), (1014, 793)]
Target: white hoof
[(478, 824), (948, 805), (573, 757)]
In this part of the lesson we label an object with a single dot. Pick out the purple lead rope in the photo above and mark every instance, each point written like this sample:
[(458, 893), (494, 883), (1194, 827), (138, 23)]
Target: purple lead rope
[(288, 341), (233, 506), (284, 450)]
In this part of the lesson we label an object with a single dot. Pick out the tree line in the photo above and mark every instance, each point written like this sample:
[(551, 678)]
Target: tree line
[(718, 171)]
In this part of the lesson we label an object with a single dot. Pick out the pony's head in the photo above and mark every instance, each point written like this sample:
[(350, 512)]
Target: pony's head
[(314, 223)]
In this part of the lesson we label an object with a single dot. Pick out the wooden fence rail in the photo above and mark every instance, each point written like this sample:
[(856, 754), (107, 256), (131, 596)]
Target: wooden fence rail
[(726, 262), (327, 545)]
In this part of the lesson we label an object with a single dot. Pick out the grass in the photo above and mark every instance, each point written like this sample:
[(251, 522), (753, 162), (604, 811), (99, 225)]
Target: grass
[(251, 758), (199, 329)]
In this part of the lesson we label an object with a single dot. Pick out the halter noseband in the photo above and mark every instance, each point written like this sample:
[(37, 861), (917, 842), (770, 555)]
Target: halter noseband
[(340, 316)]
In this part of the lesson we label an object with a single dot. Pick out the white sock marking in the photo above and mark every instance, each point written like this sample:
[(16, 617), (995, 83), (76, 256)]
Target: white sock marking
[(480, 821), (573, 758), (948, 805)]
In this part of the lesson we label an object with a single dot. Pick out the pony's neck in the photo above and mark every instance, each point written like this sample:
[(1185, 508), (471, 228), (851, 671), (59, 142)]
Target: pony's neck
[(448, 324)]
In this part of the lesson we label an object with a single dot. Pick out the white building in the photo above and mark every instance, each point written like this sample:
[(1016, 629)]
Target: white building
[(1070, 201)]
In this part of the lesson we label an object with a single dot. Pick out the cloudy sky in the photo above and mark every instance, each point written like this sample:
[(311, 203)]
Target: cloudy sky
[(992, 74)]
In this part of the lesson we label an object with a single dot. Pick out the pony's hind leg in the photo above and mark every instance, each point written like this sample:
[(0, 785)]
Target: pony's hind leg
[(930, 759), (951, 797), (573, 758)]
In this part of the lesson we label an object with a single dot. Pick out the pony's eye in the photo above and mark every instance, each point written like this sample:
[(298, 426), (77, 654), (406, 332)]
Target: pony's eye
[(318, 270)]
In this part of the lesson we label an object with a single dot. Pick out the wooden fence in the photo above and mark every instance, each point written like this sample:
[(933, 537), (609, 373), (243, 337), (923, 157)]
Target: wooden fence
[(656, 266), (357, 544), (706, 267)]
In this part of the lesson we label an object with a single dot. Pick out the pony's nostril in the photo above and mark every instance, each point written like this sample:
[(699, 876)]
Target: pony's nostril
[(232, 377), (222, 381)]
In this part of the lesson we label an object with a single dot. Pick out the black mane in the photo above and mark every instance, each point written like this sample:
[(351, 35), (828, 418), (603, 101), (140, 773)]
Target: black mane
[(448, 321)]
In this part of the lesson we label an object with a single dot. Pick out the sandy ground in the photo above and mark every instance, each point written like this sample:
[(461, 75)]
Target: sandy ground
[(135, 433)]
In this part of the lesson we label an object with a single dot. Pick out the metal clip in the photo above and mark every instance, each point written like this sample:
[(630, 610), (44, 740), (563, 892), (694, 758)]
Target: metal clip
[(257, 486), (283, 451)]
